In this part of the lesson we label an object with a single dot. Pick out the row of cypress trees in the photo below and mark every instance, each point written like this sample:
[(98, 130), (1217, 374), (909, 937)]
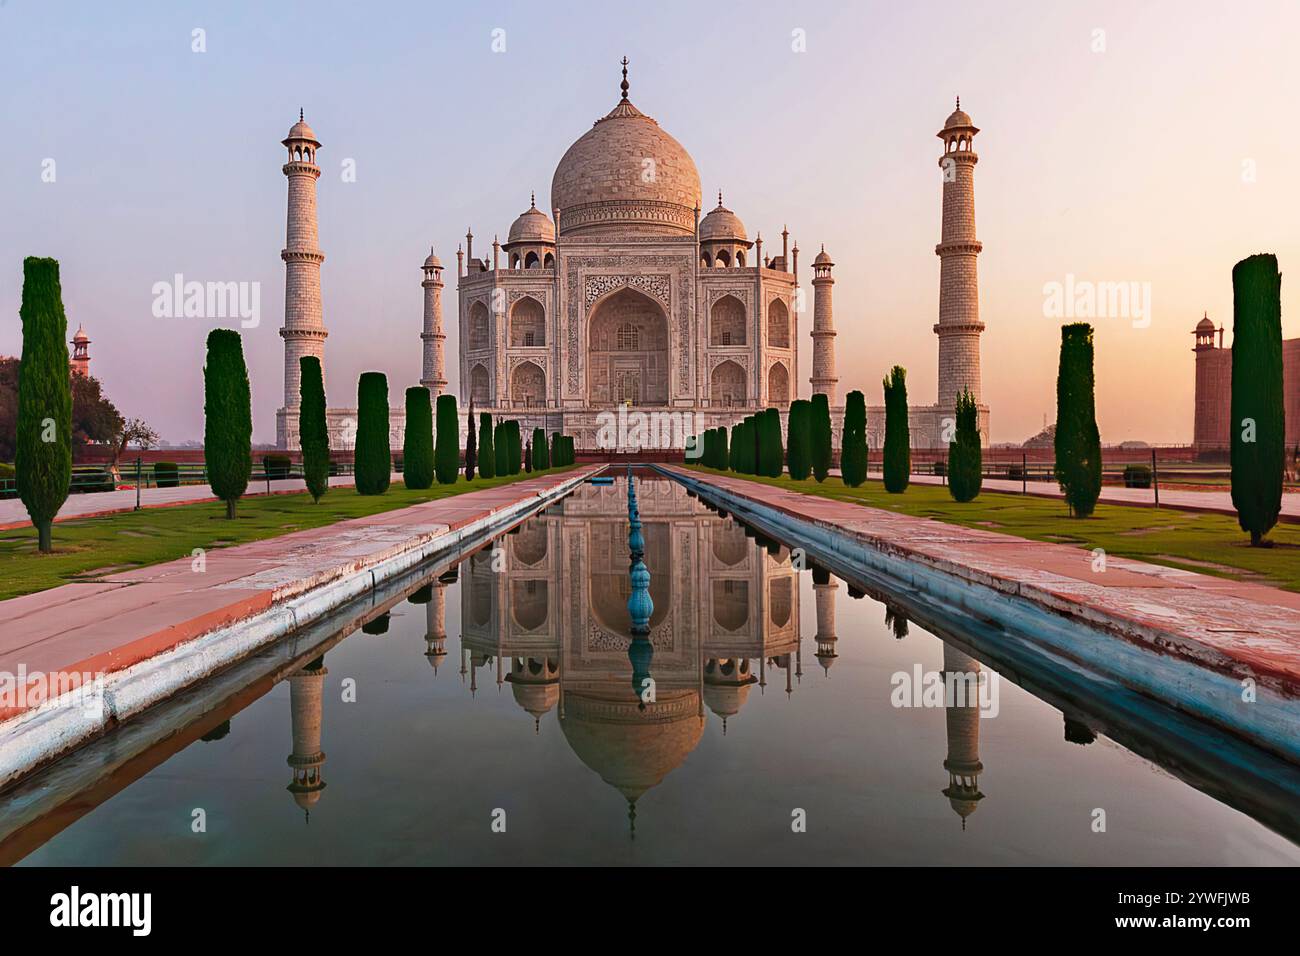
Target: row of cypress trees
[(228, 431)]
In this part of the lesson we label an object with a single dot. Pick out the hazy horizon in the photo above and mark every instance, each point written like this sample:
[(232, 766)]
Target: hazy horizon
[(1158, 160)]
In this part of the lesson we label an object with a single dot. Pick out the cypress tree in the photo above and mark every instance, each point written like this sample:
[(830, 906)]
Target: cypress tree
[(965, 457), (541, 460), (1258, 451), (514, 449), (487, 455), (43, 451), (898, 438), (716, 447), (773, 452), (721, 441), (853, 441), (820, 436), (570, 456), (557, 453), (501, 444), (733, 450), (313, 433), (1078, 443), (417, 443), (447, 456), (749, 447), (227, 418), (373, 459), (528, 456), (799, 439), (471, 444)]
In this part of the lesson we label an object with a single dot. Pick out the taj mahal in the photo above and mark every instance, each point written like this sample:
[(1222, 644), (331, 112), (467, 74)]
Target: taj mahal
[(626, 296)]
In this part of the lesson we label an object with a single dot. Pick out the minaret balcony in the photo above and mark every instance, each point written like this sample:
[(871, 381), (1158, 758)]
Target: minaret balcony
[(967, 247), (302, 255)]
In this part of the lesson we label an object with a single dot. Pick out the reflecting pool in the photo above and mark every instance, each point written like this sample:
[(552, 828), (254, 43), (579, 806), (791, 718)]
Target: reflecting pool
[(498, 709)]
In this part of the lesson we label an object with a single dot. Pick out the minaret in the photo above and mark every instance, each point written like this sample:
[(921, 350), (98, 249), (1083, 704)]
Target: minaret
[(963, 724), (823, 378), (434, 377), (304, 326), (305, 689), (1212, 415), (824, 592), (81, 353), (959, 325), (435, 626)]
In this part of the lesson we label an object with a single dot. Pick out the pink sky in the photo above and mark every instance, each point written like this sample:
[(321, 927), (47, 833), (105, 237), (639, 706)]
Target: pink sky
[(1129, 164)]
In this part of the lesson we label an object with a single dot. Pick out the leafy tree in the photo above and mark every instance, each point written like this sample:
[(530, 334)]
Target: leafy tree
[(1078, 443), (43, 460), (821, 436), (373, 458), (898, 438), (228, 418), (417, 443), (447, 456), (1258, 444), (853, 442), (965, 457), (487, 455), (313, 432)]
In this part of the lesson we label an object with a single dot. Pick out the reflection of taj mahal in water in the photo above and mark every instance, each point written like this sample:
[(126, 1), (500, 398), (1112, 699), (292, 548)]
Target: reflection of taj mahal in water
[(545, 611)]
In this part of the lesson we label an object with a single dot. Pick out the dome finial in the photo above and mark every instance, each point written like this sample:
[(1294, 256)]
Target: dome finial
[(532, 199), (719, 198), (624, 85), (959, 102), (300, 117)]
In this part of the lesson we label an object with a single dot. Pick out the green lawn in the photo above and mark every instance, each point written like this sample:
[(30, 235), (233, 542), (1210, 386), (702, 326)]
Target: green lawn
[(1209, 543), (85, 547)]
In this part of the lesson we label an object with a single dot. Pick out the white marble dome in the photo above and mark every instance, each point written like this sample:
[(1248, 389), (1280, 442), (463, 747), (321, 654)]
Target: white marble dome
[(626, 176)]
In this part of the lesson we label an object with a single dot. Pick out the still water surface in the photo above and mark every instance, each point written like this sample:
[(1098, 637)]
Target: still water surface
[(503, 692)]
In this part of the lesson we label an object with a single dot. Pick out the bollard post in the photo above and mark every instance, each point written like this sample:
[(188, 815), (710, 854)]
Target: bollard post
[(137, 483), (1155, 477), (1024, 473)]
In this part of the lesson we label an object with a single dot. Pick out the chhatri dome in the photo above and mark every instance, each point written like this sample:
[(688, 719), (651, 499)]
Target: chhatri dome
[(721, 223), (626, 176), (533, 225), (958, 118), (300, 130)]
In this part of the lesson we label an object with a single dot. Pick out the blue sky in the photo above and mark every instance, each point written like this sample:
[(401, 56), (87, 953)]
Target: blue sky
[(1124, 164)]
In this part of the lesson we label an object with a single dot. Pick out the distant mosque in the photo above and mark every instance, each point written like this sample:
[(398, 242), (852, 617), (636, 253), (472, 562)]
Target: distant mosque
[(626, 296)]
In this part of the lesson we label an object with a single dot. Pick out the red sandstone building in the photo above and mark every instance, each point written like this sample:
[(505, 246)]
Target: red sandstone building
[(1212, 430)]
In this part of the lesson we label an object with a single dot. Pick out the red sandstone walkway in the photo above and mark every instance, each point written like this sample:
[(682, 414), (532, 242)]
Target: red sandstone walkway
[(1235, 627), (112, 623), (90, 505)]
